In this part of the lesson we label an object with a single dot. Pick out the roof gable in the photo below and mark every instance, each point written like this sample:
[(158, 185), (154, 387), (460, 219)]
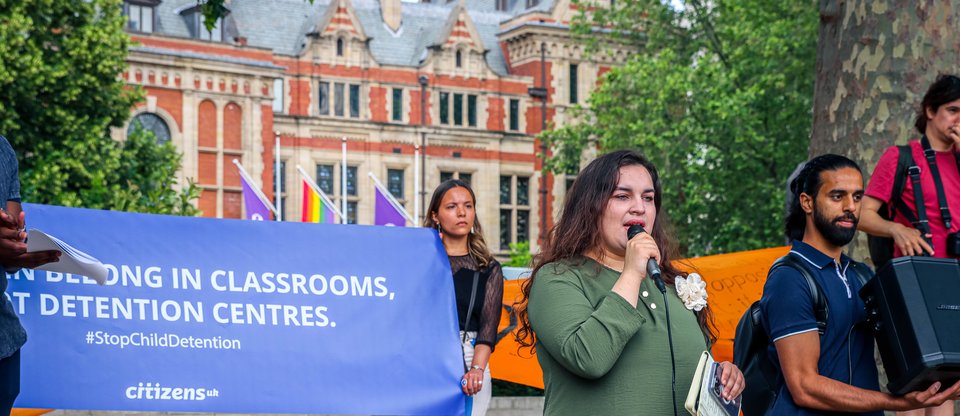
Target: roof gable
[(340, 17), (460, 30)]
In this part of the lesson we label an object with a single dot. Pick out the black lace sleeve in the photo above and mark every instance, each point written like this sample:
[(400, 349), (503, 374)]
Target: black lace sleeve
[(492, 307)]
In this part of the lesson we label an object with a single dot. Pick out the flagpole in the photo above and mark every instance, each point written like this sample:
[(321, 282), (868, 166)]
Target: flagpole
[(343, 179), (416, 186), (390, 198), (246, 176), (276, 169), (323, 196)]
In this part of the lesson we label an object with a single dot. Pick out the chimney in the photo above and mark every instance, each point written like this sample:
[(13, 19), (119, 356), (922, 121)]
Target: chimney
[(391, 13)]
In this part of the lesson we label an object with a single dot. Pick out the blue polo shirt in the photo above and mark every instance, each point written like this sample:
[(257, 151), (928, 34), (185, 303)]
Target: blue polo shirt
[(788, 309)]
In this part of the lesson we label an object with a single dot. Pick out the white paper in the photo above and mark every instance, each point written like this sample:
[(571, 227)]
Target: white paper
[(71, 261)]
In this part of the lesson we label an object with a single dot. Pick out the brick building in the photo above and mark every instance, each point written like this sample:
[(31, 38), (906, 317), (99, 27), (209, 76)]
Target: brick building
[(459, 78)]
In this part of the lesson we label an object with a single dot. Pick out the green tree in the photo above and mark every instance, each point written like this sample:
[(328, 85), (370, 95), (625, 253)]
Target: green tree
[(719, 98), (61, 94), (520, 255)]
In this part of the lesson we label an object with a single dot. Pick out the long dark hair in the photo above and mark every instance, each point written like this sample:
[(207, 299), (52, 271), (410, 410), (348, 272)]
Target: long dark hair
[(475, 242), (809, 181), (944, 90), (579, 226)]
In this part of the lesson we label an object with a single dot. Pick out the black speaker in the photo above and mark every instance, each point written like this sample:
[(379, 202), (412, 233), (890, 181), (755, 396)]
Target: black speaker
[(913, 304)]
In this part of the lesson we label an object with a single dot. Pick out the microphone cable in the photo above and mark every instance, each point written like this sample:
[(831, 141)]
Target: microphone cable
[(673, 360), (653, 271)]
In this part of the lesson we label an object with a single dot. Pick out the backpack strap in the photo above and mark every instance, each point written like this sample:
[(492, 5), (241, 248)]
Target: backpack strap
[(820, 309), (863, 273), (904, 162), (907, 168)]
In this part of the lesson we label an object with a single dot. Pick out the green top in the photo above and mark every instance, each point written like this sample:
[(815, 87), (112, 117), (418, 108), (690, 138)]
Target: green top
[(601, 356)]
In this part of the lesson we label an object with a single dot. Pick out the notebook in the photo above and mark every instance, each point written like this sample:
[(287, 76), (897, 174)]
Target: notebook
[(704, 397)]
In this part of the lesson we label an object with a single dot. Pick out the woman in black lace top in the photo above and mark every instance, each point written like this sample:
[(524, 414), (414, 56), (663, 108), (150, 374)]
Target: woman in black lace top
[(477, 280)]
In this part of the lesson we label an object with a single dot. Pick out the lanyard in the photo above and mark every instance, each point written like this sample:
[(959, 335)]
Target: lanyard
[(931, 156)]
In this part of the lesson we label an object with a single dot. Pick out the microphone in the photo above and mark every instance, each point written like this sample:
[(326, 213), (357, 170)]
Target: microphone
[(653, 270)]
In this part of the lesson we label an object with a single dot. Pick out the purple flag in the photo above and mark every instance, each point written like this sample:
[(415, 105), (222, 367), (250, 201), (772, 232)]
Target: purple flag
[(256, 209), (386, 213)]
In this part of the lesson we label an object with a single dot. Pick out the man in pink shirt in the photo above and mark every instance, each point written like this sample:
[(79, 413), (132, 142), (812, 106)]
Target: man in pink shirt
[(937, 155)]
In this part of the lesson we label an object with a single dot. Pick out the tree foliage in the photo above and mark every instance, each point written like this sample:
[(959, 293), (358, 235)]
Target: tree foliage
[(520, 255), (61, 94), (719, 98)]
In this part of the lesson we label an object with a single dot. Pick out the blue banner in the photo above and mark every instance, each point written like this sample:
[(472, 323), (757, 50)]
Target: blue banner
[(208, 315)]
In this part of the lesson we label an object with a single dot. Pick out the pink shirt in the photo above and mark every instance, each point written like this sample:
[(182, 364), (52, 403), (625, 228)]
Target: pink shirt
[(881, 186)]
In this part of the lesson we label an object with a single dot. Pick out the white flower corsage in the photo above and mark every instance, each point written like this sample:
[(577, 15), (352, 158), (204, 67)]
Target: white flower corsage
[(692, 291)]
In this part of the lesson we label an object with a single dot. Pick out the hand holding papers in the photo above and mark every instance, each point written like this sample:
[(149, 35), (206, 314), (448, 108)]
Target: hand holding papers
[(72, 261)]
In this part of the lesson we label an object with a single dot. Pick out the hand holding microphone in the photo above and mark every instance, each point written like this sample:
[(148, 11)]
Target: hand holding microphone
[(653, 270)]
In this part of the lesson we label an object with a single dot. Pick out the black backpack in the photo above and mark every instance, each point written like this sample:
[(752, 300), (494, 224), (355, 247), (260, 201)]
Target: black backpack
[(762, 379), (881, 248)]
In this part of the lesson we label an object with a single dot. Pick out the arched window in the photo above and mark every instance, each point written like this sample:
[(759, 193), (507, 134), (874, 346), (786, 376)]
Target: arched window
[(339, 46), (459, 59), (152, 123)]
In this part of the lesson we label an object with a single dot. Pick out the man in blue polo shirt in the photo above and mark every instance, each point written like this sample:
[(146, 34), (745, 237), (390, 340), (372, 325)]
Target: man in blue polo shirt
[(833, 372)]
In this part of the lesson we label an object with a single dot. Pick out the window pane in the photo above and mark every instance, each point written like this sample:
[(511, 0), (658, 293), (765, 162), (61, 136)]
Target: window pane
[(133, 14), (352, 180), (523, 191), (445, 176), (354, 101), (523, 225), (152, 123), (217, 34), (323, 98), (458, 109), (395, 182), (351, 212), (514, 114), (202, 31), (325, 178), (472, 110), (398, 104), (444, 108), (278, 95), (573, 84), (505, 224), (338, 99), (466, 177), (146, 19), (505, 189), (283, 206)]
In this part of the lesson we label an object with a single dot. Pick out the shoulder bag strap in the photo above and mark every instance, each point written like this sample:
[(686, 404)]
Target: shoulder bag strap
[(466, 324)]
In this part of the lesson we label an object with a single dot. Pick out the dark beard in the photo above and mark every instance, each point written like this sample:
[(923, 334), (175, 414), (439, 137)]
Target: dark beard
[(834, 234)]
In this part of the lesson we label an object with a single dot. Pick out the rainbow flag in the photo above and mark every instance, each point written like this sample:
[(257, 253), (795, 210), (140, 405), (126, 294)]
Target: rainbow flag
[(314, 210)]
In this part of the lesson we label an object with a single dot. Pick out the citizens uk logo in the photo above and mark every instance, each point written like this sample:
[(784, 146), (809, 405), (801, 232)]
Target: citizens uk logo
[(154, 391)]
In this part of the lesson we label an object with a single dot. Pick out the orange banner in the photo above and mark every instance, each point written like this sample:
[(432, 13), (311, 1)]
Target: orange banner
[(734, 281), (29, 412)]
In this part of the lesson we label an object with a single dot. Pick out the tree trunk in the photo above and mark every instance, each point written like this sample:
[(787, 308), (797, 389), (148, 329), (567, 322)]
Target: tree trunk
[(875, 60)]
